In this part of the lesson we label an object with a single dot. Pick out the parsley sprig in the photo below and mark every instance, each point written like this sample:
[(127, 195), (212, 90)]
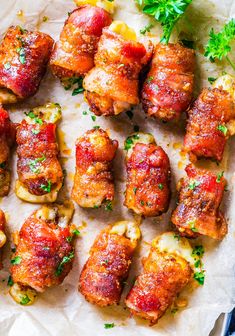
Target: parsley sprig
[(218, 45), (167, 12)]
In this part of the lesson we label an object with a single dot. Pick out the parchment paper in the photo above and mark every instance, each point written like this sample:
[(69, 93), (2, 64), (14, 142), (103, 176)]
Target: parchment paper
[(62, 310)]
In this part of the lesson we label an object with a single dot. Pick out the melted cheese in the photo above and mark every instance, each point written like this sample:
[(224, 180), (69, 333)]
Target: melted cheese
[(127, 228), (139, 137), (25, 195), (124, 30), (7, 97), (3, 238), (170, 243), (227, 83), (23, 295), (109, 6), (51, 113)]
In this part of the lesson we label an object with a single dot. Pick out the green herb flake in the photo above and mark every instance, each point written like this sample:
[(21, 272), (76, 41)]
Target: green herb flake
[(64, 261), (16, 260), (223, 129), (176, 236), (25, 300), (135, 190), (108, 206), (198, 263), (129, 114), (10, 282), (22, 55), (109, 325), (150, 79), (211, 80), (33, 164), (198, 251), (160, 186), (192, 225), (219, 177), (47, 187), (3, 165), (199, 277), (93, 118), (146, 29), (193, 184), (76, 232), (7, 65)]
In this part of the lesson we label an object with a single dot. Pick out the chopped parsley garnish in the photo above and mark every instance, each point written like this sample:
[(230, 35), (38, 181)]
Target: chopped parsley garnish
[(193, 184), (76, 84), (33, 116), (199, 277), (109, 325), (25, 300), (93, 118), (135, 189), (64, 261), (223, 129), (76, 232), (7, 65), (21, 52), (16, 260), (211, 80), (160, 186), (85, 113), (129, 114), (149, 80), (129, 141), (35, 131), (219, 45), (146, 29), (96, 127), (47, 187), (33, 164), (198, 251), (3, 165), (219, 177), (192, 225), (10, 282), (198, 263), (108, 206), (177, 236)]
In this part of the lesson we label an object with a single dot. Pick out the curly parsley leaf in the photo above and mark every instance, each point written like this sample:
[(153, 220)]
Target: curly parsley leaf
[(218, 45), (167, 12)]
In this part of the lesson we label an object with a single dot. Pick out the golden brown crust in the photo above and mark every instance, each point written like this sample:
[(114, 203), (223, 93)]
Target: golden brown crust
[(212, 110), (74, 54), (168, 89), (102, 277), (93, 182), (148, 180), (154, 291), (2, 234), (198, 213), (112, 85), (23, 60)]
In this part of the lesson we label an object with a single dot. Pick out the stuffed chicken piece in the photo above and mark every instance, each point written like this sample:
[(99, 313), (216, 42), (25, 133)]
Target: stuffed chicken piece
[(211, 121), (197, 212), (148, 176), (23, 60), (73, 55), (39, 170), (7, 139), (112, 86), (166, 271), (3, 237), (44, 252), (93, 182), (168, 89), (102, 277), (108, 5)]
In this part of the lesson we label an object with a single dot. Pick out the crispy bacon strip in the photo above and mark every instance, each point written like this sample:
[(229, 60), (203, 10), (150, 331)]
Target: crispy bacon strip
[(148, 176), (44, 250), (3, 237), (197, 213), (111, 87), (165, 274), (39, 170), (206, 129), (93, 182), (73, 55), (7, 138), (23, 59), (102, 277), (168, 89)]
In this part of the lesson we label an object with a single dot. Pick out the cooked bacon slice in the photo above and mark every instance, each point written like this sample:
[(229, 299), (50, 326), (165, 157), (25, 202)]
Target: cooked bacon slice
[(200, 195), (3, 237), (148, 176), (44, 250), (39, 170), (111, 87), (7, 138), (73, 55), (165, 274), (168, 89), (102, 277), (93, 182), (23, 59), (206, 129)]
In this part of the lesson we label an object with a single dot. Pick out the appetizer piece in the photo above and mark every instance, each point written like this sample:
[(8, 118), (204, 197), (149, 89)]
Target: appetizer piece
[(211, 121), (108, 5), (167, 270), (197, 212), (44, 252), (148, 176), (102, 277), (73, 55), (168, 89), (111, 87), (93, 182), (3, 237), (7, 138), (23, 59), (39, 170)]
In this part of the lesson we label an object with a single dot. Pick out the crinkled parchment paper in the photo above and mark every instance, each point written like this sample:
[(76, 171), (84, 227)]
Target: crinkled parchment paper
[(62, 310)]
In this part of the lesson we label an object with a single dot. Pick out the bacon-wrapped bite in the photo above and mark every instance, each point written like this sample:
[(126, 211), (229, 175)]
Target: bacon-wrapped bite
[(168, 89), (7, 138), (111, 87), (211, 121), (23, 59), (73, 55), (44, 252), (148, 176), (93, 182), (3, 237), (102, 277), (197, 212), (167, 270), (39, 170)]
